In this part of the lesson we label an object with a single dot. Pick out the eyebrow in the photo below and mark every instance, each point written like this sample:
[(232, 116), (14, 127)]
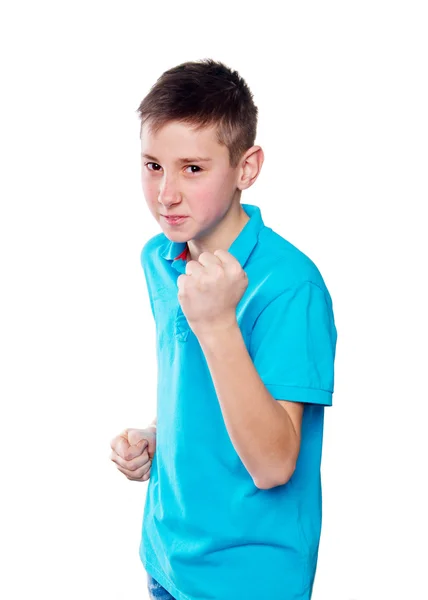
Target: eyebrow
[(180, 160)]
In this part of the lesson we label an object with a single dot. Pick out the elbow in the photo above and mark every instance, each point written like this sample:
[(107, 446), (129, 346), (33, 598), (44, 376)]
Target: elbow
[(264, 485), (277, 479), (289, 472)]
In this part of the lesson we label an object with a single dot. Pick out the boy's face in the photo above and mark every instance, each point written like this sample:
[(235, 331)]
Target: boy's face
[(203, 191)]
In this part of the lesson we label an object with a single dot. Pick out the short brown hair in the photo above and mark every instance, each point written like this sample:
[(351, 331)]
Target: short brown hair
[(204, 93)]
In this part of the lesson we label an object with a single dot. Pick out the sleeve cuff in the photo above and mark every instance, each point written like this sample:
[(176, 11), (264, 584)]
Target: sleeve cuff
[(300, 394)]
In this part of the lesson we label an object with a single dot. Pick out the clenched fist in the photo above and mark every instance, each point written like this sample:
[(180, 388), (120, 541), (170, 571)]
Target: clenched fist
[(133, 451)]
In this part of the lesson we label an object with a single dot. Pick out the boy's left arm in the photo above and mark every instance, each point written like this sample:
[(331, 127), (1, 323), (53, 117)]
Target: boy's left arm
[(265, 432), (293, 344)]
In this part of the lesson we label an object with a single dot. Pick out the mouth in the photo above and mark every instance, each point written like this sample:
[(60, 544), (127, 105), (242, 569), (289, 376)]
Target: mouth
[(175, 220)]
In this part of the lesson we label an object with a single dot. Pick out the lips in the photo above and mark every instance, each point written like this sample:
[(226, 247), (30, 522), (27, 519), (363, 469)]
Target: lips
[(174, 221)]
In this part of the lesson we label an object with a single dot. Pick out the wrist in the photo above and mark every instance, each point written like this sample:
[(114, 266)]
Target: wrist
[(214, 333), (221, 336)]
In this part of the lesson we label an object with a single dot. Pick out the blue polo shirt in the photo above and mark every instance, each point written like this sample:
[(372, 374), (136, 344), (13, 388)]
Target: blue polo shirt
[(208, 532)]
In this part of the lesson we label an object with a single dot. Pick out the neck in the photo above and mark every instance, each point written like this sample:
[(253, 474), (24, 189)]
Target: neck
[(220, 238)]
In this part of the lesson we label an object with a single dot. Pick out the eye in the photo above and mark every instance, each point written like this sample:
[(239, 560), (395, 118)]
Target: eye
[(151, 163), (194, 167)]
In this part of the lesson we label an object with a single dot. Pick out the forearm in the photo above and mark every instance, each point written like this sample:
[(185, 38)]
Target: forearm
[(259, 428)]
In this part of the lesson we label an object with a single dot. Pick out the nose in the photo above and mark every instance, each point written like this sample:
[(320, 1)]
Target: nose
[(168, 192)]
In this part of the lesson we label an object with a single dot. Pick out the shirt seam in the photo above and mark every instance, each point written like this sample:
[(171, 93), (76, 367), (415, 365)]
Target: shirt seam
[(301, 387)]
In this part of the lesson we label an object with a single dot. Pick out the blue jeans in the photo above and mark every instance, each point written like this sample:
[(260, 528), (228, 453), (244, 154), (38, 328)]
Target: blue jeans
[(156, 590)]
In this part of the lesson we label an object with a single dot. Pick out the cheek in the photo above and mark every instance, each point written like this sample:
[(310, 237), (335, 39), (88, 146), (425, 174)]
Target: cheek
[(210, 200), (150, 190)]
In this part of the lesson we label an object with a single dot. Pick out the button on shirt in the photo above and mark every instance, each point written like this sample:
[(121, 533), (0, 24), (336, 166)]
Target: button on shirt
[(208, 532)]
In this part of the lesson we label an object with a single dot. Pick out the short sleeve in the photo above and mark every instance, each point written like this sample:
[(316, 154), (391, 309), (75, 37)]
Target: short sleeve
[(293, 345)]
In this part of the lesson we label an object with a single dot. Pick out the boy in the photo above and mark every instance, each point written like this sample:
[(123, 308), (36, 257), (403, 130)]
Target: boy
[(246, 343)]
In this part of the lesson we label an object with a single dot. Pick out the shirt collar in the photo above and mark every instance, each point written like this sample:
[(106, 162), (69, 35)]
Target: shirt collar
[(240, 248)]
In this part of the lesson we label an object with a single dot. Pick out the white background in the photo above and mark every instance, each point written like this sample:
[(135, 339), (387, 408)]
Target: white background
[(341, 89)]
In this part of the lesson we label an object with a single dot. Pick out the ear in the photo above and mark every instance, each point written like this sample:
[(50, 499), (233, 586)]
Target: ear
[(251, 164)]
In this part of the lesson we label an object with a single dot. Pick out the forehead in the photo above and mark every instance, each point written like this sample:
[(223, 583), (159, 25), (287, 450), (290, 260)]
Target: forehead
[(181, 139)]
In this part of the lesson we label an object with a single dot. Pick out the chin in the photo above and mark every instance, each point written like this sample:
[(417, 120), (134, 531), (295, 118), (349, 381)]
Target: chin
[(175, 236)]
